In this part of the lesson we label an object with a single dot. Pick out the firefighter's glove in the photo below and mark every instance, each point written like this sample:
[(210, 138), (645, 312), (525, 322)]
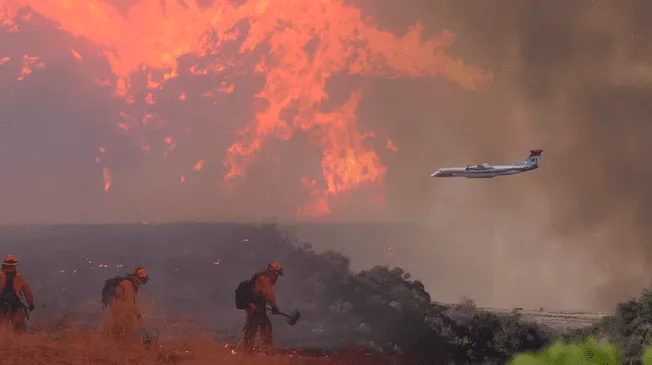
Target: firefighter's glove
[(275, 310)]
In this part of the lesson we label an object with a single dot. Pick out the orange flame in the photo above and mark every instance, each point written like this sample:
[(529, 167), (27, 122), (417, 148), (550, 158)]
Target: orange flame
[(76, 54), (7, 16), (199, 165), (390, 145), (106, 175), (28, 63), (309, 42)]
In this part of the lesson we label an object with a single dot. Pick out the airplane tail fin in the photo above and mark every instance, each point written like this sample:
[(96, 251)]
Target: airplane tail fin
[(534, 157)]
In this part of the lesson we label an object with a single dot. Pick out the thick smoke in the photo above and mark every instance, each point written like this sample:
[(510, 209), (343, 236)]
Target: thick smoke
[(584, 74), (572, 78)]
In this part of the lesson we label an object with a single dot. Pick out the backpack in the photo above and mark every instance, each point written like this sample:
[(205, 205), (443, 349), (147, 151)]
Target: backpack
[(8, 293), (244, 293), (108, 292)]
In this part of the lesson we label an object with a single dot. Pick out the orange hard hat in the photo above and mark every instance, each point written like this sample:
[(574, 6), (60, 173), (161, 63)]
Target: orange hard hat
[(10, 260), (275, 267), (141, 274)]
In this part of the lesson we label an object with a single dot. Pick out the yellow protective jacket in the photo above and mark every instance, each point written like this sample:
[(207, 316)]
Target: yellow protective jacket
[(126, 292)]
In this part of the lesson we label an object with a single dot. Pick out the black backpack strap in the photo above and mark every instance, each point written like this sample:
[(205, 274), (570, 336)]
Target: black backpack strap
[(253, 284)]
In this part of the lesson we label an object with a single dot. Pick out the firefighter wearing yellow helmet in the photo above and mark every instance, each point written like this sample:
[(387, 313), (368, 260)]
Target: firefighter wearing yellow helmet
[(125, 320)]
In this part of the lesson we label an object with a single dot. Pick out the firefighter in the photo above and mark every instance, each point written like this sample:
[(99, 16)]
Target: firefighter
[(13, 289), (125, 320), (257, 318)]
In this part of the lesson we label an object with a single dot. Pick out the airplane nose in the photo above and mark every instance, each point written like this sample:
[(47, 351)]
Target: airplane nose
[(436, 173)]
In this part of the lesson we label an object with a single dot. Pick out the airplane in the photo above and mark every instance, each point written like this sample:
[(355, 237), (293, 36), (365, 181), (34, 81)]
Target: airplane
[(486, 171)]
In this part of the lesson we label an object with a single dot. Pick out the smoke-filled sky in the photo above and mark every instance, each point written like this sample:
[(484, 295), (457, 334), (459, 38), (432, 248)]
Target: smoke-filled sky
[(158, 110)]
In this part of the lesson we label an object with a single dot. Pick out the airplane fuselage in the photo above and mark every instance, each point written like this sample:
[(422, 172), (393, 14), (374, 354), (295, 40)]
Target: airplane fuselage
[(485, 172)]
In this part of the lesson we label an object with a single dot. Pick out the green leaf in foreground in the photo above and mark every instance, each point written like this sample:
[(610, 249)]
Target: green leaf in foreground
[(647, 356), (586, 353)]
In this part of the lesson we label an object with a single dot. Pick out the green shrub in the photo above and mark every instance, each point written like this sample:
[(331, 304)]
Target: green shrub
[(629, 328), (589, 352)]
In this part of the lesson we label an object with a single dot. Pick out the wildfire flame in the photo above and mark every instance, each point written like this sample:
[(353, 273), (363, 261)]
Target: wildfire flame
[(28, 64), (106, 175), (199, 165), (309, 42)]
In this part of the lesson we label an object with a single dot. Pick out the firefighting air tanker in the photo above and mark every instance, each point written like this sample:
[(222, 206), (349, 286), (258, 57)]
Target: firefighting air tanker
[(486, 171)]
